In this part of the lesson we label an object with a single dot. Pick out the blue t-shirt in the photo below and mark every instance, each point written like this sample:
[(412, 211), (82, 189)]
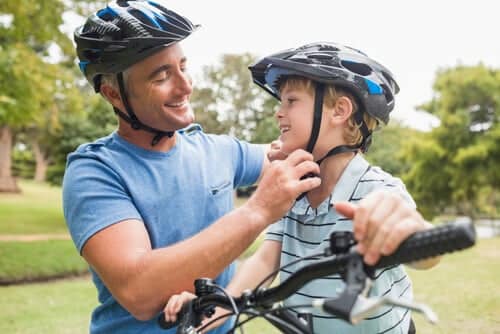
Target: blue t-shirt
[(175, 194)]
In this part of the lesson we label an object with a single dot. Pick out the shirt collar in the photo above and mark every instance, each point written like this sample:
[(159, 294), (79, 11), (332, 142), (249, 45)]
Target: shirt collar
[(342, 191)]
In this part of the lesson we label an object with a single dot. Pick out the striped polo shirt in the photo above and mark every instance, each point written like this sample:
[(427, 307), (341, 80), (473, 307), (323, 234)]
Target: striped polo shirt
[(305, 231)]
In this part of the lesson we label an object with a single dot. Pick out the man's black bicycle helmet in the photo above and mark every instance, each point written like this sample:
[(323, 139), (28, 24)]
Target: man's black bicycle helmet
[(122, 34)]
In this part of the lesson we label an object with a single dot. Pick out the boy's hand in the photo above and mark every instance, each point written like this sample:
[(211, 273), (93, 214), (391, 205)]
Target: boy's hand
[(381, 221), (174, 306), (175, 303)]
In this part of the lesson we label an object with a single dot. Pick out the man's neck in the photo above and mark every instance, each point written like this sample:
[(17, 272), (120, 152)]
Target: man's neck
[(331, 170), (144, 139)]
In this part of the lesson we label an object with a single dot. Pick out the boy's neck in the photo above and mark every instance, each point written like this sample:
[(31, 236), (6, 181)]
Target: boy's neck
[(330, 171)]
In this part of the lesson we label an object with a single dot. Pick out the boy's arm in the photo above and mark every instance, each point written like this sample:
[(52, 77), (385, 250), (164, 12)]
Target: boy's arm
[(252, 271)]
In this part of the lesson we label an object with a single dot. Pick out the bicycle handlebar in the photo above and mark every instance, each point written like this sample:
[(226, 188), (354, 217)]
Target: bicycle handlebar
[(439, 240)]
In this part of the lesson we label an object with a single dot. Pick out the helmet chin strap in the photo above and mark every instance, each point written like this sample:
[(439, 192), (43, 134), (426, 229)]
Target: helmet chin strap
[(132, 119), (318, 111)]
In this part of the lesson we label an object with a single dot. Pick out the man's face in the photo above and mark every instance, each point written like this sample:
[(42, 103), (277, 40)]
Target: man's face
[(159, 88)]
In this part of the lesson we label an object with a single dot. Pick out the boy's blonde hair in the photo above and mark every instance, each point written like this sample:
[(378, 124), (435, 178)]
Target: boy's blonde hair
[(352, 134)]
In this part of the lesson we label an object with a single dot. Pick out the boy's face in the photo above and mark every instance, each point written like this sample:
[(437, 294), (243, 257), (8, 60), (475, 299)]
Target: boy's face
[(159, 88), (295, 117)]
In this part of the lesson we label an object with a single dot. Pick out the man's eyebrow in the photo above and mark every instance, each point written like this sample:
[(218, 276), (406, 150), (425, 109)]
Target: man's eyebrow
[(164, 68)]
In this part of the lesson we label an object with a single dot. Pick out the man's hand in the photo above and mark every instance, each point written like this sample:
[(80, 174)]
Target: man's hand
[(275, 152), (281, 185), (381, 221)]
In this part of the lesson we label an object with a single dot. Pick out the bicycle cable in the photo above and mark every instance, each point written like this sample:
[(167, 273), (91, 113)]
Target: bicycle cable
[(272, 274)]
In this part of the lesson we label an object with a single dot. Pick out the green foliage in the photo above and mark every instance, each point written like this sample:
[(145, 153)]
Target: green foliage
[(387, 145), (23, 163), (455, 166), (97, 121), (226, 101)]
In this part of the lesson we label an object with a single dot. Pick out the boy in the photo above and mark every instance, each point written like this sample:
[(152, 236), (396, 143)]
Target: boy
[(332, 98)]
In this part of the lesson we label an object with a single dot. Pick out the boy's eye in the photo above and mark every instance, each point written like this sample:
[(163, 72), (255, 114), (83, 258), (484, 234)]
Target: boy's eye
[(291, 100)]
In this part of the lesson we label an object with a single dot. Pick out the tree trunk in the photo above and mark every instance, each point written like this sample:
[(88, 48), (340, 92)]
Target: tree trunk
[(41, 163), (7, 182)]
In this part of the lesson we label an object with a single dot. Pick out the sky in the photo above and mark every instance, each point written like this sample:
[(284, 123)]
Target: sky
[(414, 39)]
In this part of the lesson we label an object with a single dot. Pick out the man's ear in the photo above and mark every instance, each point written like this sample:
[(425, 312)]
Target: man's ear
[(343, 109), (111, 94)]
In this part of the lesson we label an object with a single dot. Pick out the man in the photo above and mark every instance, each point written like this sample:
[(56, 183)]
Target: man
[(149, 206)]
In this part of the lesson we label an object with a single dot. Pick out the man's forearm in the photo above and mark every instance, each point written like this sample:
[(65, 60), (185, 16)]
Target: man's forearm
[(163, 272)]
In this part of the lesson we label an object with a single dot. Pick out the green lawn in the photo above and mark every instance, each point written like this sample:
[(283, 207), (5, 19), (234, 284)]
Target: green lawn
[(462, 290), (21, 261), (51, 308), (36, 210)]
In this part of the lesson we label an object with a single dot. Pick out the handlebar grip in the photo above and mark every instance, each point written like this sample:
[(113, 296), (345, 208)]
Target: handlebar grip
[(164, 324), (442, 239)]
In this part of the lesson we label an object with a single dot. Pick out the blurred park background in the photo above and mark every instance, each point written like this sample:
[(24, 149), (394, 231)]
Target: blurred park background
[(47, 110)]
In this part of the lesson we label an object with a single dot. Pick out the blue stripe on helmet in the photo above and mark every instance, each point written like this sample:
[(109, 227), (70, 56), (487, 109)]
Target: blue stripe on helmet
[(151, 13), (373, 88), (83, 66), (106, 11)]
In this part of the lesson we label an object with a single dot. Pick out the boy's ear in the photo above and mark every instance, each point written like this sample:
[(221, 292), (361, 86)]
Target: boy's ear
[(343, 109), (112, 95)]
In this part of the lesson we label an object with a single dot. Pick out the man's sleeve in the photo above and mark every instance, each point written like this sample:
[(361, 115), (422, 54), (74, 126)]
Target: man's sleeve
[(93, 199)]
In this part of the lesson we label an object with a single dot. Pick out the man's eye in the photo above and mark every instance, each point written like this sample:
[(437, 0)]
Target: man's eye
[(162, 77)]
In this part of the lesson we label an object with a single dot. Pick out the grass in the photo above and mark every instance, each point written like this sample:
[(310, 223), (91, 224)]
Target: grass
[(55, 308), (463, 290), (36, 210), (24, 261)]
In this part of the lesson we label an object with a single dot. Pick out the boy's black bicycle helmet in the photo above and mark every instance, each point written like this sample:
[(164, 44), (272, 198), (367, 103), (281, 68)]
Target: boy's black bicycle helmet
[(372, 85), (122, 34)]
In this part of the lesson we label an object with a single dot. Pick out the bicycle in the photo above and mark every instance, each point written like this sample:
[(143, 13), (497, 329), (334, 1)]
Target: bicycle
[(340, 257)]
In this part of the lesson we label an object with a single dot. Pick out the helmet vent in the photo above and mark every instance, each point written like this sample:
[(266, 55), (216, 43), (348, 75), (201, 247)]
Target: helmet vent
[(387, 93), (358, 68), (320, 55), (324, 47)]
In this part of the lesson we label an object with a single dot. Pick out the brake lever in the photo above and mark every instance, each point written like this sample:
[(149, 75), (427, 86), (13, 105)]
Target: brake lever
[(363, 307)]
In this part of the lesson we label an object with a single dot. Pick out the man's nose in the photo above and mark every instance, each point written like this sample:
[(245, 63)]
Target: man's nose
[(184, 83)]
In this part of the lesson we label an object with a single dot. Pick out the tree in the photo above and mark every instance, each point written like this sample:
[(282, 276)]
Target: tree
[(387, 146), (96, 120), (227, 101), (456, 165), (23, 71)]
